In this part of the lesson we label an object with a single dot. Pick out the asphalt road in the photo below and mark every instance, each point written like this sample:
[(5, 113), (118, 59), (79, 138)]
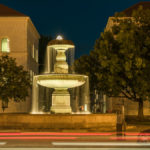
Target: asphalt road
[(65, 140)]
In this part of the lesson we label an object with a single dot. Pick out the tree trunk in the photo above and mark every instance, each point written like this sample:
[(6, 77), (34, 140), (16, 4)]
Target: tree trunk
[(140, 110)]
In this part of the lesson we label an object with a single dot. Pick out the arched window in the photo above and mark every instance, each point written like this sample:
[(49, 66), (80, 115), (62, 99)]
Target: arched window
[(5, 45)]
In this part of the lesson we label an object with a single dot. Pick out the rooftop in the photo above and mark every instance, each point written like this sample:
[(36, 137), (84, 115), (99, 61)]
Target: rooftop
[(9, 12), (129, 11)]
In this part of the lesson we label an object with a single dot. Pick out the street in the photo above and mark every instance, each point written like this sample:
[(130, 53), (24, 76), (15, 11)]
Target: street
[(73, 140)]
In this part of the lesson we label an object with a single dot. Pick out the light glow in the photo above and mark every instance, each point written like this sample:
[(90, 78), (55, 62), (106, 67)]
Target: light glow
[(59, 37)]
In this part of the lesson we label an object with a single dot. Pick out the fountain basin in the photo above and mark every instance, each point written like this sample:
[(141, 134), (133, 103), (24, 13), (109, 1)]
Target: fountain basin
[(57, 81)]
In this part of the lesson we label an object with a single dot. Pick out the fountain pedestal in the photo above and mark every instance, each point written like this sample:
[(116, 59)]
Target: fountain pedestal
[(61, 101), (61, 65)]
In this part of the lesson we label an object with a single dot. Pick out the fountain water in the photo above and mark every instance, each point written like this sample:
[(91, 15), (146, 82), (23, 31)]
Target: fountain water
[(60, 80)]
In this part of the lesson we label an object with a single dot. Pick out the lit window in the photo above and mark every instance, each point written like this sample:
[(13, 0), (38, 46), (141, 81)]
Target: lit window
[(31, 75), (5, 45), (33, 53), (36, 55)]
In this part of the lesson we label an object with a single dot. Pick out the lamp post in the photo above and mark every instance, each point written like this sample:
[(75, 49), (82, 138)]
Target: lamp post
[(95, 100)]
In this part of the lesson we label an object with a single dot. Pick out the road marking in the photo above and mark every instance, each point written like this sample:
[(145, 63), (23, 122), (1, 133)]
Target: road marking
[(99, 144), (3, 143)]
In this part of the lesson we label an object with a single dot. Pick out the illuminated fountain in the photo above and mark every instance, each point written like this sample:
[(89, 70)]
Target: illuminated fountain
[(59, 80)]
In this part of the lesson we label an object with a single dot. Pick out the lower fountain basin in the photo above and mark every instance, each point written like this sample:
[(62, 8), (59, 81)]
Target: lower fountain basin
[(61, 80)]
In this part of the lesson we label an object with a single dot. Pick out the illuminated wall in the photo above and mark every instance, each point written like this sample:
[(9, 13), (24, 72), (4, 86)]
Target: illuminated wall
[(21, 35)]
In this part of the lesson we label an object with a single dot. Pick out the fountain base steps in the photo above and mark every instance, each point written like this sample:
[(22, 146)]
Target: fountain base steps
[(57, 122), (61, 101)]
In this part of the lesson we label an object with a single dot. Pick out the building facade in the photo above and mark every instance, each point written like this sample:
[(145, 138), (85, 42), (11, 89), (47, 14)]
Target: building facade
[(19, 39)]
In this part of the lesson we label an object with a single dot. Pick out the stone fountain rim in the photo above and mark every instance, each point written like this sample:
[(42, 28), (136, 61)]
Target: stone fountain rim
[(61, 76), (61, 46)]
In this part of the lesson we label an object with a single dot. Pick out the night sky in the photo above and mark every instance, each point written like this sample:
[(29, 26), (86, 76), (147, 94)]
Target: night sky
[(81, 21)]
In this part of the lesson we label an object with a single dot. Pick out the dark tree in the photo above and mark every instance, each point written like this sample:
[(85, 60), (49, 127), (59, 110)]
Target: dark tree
[(14, 81), (121, 59), (87, 65)]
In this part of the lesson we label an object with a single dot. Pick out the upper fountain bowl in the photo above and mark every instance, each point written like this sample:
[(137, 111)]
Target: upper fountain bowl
[(60, 43), (61, 80)]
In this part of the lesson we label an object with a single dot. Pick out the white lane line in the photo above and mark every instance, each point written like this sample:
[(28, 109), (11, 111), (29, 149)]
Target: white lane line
[(3, 143), (99, 144)]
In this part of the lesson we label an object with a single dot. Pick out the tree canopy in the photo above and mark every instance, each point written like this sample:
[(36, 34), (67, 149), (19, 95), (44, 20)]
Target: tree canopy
[(14, 81), (121, 59)]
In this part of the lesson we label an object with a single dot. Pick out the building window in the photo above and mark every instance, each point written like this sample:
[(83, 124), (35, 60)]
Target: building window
[(31, 75), (36, 54), (33, 49), (5, 45)]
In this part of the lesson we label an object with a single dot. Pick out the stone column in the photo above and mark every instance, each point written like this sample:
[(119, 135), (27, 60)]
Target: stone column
[(61, 65)]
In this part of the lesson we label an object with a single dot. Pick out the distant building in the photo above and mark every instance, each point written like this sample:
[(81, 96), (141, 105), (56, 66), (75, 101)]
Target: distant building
[(19, 39), (128, 13), (113, 103)]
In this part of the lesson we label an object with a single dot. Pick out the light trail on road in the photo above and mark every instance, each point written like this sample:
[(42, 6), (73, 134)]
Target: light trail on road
[(61, 135), (131, 138), (55, 133), (72, 133), (137, 134), (36, 138), (74, 139), (74, 148)]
